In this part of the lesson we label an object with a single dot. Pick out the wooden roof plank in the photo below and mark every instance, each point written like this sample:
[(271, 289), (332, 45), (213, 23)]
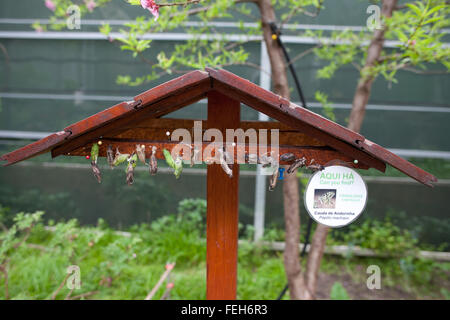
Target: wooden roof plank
[(100, 119), (309, 122), (399, 163), (289, 118), (36, 148), (193, 86), (147, 98), (171, 87), (194, 92), (285, 105)]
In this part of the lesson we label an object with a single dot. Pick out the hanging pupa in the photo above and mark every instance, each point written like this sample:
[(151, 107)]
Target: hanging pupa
[(169, 160), (224, 164), (130, 169), (228, 158), (298, 163), (267, 160), (94, 152), (94, 158), (140, 150), (153, 162), (287, 157), (251, 158), (274, 177), (96, 171), (120, 157), (315, 166), (110, 156), (195, 156), (178, 167)]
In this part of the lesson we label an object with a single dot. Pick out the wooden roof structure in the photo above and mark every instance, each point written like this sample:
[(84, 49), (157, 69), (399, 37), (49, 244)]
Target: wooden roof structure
[(301, 131)]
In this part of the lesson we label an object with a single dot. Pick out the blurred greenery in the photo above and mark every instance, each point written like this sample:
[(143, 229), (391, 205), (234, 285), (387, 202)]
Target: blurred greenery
[(338, 292), (127, 265)]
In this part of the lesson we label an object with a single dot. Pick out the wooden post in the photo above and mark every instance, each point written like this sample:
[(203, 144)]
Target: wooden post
[(222, 208)]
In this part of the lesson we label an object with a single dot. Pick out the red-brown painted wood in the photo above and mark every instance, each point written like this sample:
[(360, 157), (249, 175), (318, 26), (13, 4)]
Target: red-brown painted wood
[(313, 154), (157, 109), (195, 85), (299, 118), (36, 148), (222, 208)]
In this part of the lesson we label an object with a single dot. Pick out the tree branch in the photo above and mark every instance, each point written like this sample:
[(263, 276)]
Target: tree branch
[(171, 4), (364, 86), (300, 9)]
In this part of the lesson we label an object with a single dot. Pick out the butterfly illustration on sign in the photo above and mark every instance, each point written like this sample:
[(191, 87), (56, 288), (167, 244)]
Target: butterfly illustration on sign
[(325, 198)]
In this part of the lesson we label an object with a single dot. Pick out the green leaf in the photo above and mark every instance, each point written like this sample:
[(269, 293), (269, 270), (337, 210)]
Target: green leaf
[(414, 8), (134, 2)]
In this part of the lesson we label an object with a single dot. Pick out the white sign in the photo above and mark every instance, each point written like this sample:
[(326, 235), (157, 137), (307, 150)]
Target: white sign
[(335, 196)]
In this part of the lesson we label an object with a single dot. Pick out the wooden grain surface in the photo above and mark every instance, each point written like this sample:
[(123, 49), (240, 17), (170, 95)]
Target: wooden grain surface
[(222, 209)]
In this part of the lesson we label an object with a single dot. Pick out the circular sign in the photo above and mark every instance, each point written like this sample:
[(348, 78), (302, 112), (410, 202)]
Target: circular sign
[(335, 196)]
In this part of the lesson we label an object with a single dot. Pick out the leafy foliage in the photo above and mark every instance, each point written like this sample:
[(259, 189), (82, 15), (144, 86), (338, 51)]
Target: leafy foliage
[(381, 236), (338, 292), (205, 44), (415, 31), (126, 265), (327, 108)]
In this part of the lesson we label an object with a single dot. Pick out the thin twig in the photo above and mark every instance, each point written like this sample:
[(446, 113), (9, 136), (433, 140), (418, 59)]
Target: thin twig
[(191, 12), (160, 281), (60, 287), (166, 293), (246, 14), (37, 246), (84, 295), (171, 4), (299, 8), (68, 295), (302, 54), (255, 66), (401, 7), (28, 230), (356, 66), (233, 45)]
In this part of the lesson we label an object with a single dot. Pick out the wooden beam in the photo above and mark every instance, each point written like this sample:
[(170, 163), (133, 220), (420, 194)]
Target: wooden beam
[(156, 129), (321, 154), (222, 208)]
